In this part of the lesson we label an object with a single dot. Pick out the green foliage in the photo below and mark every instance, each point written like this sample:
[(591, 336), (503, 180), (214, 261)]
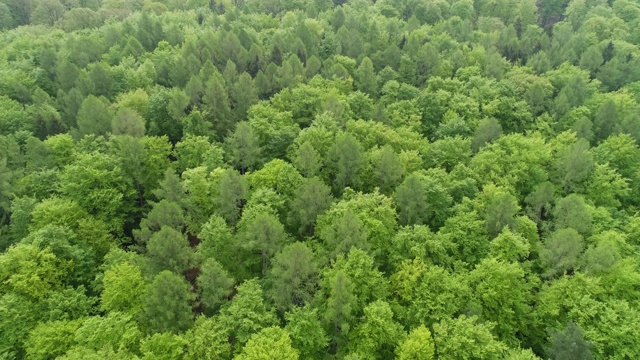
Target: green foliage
[(305, 328), (94, 116), (163, 346), (51, 339), (569, 344), (115, 331), (466, 171), (166, 304), (503, 293), (123, 288), (464, 338), (310, 200), (418, 345), (269, 343), (378, 334), (208, 340), (247, 313), (261, 232), (169, 250), (215, 283), (293, 277), (561, 251)]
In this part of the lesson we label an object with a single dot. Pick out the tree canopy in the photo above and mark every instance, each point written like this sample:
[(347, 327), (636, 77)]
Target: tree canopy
[(314, 179)]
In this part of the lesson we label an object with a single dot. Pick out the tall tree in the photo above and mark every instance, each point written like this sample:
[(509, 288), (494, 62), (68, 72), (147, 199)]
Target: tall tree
[(417, 346), (346, 160), (247, 313), (569, 344), (243, 149), (269, 343), (307, 334), (261, 232), (214, 283), (366, 78), (294, 277), (94, 116), (123, 288), (311, 199), (166, 304), (168, 249)]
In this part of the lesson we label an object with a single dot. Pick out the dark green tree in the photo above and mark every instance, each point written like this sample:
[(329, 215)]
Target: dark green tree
[(166, 304), (294, 277), (569, 344), (94, 116), (346, 161), (311, 199), (243, 150), (168, 249)]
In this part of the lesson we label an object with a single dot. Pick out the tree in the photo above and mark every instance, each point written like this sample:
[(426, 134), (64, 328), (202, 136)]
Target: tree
[(243, 95), (489, 129), (28, 271), (114, 332), (163, 214), (214, 283), (294, 277), (421, 199), (47, 12), (307, 160), (388, 169), (345, 233), (123, 288), (605, 120), (305, 329), (6, 18), (463, 338), (366, 78), (261, 232), (51, 339), (427, 293), (247, 313), (269, 343), (503, 293), (166, 304), (94, 116), (418, 345), (501, 212), (164, 113), (574, 166), (573, 212), (469, 233), (231, 196), (97, 184), (165, 346), (569, 344), (509, 246), (378, 335), (561, 251), (194, 151), (21, 209), (339, 309), (208, 340), (279, 176), (168, 249), (346, 161), (215, 101), (310, 200), (242, 148), (127, 122)]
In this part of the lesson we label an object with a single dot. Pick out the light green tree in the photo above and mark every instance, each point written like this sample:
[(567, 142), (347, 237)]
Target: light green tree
[(269, 343)]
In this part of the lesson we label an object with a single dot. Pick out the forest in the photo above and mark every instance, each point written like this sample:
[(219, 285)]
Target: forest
[(320, 179)]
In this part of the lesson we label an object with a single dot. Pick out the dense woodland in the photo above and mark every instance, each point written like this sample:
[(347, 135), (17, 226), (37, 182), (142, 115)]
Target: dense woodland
[(317, 179)]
